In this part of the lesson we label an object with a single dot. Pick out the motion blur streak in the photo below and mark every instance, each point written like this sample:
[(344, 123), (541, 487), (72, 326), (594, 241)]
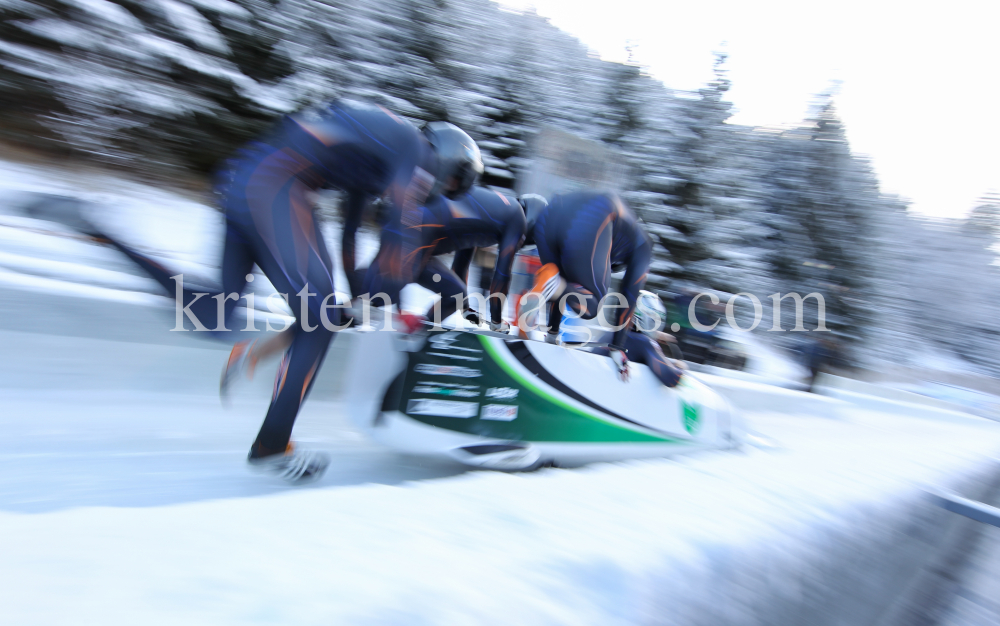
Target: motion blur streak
[(124, 492)]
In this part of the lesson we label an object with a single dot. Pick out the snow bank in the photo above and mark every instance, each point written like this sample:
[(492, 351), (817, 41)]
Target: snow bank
[(757, 396), (899, 400)]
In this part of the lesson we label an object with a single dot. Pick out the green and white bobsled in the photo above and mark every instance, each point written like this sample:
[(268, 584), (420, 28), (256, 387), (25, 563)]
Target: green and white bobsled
[(496, 401)]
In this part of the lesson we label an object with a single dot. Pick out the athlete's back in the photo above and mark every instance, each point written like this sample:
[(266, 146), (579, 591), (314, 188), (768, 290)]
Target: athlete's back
[(478, 218), (575, 219), (344, 145)]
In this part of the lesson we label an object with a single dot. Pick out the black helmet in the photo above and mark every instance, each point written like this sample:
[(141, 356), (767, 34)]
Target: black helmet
[(457, 156), (532, 203)]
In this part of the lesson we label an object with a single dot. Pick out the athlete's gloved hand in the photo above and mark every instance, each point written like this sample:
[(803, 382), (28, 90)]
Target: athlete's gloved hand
[(621, 362), (411, 323), (501, 327), (351, 315)]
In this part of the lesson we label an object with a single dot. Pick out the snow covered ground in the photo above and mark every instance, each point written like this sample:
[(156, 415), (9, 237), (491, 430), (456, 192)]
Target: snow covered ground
[(972, 401), (977, 595), (124, 497), (131, 505)]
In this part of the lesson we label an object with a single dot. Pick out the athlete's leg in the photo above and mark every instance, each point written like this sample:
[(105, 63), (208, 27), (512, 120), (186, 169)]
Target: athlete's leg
[(549, 240), (296, 261), (383, 276), (438, 277), (293, 381), (391, 270), (273, 345), (586, 266)]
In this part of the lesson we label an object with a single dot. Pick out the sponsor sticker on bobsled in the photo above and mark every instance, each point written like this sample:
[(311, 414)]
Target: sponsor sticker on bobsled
[(442, 408), (447, 370), (446, 391), (501, 393), (499, 412), (447, 341)]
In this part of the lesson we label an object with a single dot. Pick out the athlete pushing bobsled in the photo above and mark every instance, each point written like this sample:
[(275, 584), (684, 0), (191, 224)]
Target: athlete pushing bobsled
[(579, 237), (364, 150), (459, 219), (506, 402), (582, 237)]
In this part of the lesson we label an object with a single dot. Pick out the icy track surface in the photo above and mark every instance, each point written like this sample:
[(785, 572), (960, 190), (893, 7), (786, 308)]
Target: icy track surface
[(123, 508)]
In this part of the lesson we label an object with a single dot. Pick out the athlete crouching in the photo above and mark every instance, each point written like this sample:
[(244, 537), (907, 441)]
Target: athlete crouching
[(458, 217), (583, 237)]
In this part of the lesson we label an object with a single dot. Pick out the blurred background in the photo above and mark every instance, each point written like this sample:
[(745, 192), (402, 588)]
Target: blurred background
[(129, 105), (165, 90)]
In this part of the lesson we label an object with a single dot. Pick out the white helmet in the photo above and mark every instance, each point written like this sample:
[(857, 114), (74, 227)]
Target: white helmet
[(650, 314)]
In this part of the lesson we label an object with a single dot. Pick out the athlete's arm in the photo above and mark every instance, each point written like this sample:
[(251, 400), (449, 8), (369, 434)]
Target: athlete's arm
[(403, 252), (462, 261), (402, 255), (642, 349), (509, 244), (353, 209), (634, 281)]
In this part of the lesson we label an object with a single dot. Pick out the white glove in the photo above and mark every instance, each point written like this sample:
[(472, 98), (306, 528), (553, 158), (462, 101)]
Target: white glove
[(621, 362), (502, 327)]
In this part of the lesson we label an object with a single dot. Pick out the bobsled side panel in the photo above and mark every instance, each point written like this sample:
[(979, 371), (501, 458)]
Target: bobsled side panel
[(467, 383)]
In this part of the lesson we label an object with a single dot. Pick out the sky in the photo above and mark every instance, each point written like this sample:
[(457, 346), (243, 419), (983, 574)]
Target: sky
[(916, 82)]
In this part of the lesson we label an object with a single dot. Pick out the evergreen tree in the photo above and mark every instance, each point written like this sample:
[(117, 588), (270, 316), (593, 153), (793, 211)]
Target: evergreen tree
[(175, 85), (620, 114), (827, 197), (691, 197)]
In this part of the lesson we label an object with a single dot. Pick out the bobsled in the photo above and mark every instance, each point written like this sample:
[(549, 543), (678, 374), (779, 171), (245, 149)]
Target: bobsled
[(501, 402)]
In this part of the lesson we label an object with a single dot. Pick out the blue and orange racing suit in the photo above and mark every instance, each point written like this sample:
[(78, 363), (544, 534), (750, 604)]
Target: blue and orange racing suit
[(364, 150), (588, 235), (411, 244)]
